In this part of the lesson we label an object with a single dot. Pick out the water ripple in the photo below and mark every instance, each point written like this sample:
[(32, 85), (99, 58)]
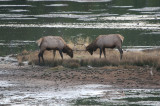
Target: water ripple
[(76, 0), (122, 6), (146, 9), (6, 0), (19, 10), (18, 18), (131, 25), (13, 15), (15, 5), (57, 5), (132, 17), (80, 17)]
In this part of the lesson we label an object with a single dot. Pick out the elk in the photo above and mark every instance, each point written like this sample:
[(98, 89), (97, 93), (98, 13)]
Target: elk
[(53, 43), (106, 41)]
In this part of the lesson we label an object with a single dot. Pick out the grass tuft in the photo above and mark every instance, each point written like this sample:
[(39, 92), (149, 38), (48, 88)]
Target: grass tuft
[(71, 63)]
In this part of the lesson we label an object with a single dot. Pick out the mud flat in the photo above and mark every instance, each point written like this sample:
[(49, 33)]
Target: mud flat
[(38, 85)]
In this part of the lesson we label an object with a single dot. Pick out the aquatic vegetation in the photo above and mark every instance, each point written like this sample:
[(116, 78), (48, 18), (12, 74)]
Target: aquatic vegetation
[(137, 99)]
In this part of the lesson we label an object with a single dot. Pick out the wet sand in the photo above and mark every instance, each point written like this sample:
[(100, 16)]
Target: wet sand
[(38, 81)]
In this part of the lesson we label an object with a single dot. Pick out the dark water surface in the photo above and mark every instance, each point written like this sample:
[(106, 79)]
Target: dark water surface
[(24, 21)]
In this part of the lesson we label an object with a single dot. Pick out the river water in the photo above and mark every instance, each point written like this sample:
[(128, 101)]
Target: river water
[(19, 94), (24, 21)]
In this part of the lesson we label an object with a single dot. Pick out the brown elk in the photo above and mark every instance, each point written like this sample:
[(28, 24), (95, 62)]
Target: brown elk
[(53, 43), (106, 41)]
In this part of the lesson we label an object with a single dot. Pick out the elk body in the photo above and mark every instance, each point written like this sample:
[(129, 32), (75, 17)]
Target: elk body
[(106, 41), (53, 43)]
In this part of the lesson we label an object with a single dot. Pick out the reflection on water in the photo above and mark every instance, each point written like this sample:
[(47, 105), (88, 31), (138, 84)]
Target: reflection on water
[(29, 20)]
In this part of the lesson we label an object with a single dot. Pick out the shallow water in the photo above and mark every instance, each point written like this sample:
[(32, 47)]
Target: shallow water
[(26, 95), (26, 21)]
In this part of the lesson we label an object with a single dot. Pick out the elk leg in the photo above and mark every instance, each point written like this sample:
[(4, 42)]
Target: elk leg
[(39, 56), (120, 51), (60, 52), (100, 52), (42, 56), (54, 53), (104, 52)]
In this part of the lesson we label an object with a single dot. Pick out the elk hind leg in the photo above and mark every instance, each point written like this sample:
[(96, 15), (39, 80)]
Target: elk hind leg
[(100, 52), (40, 55), (104, 52), (120, 51)]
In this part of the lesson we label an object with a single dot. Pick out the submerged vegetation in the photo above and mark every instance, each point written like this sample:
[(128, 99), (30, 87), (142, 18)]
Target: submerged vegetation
[(91, 101), (131, 99)]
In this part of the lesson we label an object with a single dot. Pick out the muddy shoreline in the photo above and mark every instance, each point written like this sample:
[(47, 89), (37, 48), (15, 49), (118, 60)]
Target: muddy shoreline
[(129, 77), (44, 79)]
